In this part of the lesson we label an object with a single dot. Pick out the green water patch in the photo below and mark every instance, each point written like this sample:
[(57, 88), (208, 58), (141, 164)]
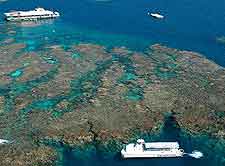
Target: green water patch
[(166, 71), (82, 89), (31, 45), (128, 64), (4, 90), (57, 113), (17, 73), (171, 57), (18, 88), (75, 55), (45, 104), (30, 48), (34, 43), (9, 103), (62, 34), (204, 82), (128, 77), (128, 68), (134, 93), (14, 89), (86, 86), (66, 46), (219, 114), (49, 105), (30, 42)]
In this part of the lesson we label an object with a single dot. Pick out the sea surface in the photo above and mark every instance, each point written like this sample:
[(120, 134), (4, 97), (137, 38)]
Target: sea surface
[(188, 24)]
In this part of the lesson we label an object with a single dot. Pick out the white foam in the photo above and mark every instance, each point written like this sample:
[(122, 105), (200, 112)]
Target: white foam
[(196, 154)]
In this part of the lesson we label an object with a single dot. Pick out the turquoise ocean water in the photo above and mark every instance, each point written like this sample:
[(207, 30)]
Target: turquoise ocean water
[(190, 25)]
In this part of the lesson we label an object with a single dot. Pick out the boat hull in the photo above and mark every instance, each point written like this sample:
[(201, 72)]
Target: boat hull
[(158, 16), (30, 18), (153, 154)]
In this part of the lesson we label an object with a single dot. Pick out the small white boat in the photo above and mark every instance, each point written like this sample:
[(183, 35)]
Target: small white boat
[(156, 15), (3, 141), (38, 13), (141, 149)]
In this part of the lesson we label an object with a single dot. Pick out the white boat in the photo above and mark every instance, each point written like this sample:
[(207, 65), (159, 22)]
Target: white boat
[(37, 13), (3, 141), (156, 15), (141, 149), (153, 149)]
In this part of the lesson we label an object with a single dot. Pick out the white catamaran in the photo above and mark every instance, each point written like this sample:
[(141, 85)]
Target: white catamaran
[(155, 149), (37, 13)]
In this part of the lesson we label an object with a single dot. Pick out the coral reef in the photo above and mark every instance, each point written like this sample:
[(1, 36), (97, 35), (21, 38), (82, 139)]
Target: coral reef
[(87, 95)]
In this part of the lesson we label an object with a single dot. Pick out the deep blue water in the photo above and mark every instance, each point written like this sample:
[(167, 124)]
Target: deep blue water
[(190, 25)]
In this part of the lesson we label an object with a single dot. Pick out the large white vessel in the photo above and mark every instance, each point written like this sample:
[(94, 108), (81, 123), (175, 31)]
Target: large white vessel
[(37, 13), (141, 149)]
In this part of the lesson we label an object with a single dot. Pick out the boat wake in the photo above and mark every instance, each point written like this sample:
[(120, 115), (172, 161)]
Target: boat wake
[(196, 154)]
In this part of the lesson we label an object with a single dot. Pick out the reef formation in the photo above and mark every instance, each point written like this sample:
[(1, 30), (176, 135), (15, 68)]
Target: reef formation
[(93, 97)]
